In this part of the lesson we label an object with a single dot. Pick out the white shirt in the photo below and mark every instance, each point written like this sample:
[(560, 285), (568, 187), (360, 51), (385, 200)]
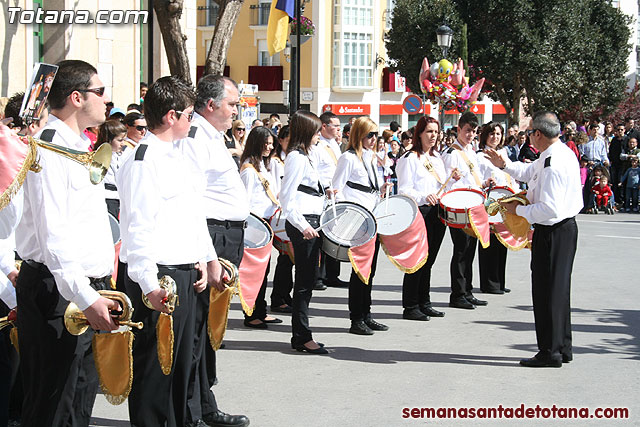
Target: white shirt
[(7, 245), (225, 195), (277, 171), (415, 180), (110, 177), (65, 223), (555, 190), (11, 214), (298, 169), (161, 211), (487, 169), (324, 160), (260, 203), (452, 159), (351, 168)]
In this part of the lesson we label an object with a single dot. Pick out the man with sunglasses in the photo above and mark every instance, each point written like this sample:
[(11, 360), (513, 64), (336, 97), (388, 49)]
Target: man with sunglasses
[(65, 241), (136, 128)]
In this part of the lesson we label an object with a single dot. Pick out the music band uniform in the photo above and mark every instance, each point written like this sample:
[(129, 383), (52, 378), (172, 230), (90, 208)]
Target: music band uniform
[(65, 239), (302, 198), (226, 208), (163, 233), (556, 198), (415, 180)]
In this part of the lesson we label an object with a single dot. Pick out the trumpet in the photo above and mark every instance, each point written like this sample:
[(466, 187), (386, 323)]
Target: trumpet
[(97, 162), (231, 270), (7, 320), (171, 300), (76, 322)]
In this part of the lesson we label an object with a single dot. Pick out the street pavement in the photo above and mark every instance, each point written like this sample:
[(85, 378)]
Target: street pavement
[(468, 359)]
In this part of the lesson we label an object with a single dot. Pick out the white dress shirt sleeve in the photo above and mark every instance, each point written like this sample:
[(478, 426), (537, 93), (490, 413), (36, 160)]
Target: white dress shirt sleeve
[(7, 256), (294, 169), (406, 169), (521, 171), (343, 171), (547, 206), (7, 293), (11, 214)]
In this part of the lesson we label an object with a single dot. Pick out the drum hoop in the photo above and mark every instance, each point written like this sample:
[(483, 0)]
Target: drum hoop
[(412, 202), (265, 224), (473, 190), (357, 206)]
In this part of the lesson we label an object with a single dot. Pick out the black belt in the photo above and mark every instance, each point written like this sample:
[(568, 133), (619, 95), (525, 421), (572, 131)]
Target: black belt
[(227, 224), (311, 216), (309, 190), (105, 280), (178, 266), (43, 268), (360, 187), (110, 187), (554, 226)]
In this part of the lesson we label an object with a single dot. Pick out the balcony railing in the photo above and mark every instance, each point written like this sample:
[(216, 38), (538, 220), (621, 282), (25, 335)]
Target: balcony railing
[(208, 15), (260, 13)]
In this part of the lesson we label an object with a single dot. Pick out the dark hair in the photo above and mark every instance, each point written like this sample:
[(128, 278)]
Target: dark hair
[(468, 118), (394, 126), (276, 115), (254, 146), (166, 94), (108, 131), (109, 104), (136, 107), (346, 128), (13, 110), (131, 118), (143, 84), (593, 126), (326, 117), (406, 135), (211, 87), (72, 75), (283, 134), (419, 129), (488, 129), (303, 126)]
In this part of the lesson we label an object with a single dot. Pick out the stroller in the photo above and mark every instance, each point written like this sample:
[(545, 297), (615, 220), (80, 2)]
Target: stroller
[(589, 198)]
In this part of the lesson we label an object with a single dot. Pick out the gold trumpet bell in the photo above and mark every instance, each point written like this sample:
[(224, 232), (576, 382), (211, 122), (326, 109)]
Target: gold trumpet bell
[(172, 301), (76, 322)]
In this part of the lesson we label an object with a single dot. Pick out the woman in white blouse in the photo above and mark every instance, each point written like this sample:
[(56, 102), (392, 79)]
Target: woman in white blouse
[(256, 169), (421, 174), (302, 199), (355, 180), (493, 260)]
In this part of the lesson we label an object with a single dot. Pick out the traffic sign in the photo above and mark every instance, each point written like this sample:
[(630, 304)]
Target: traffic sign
[(412, 104)]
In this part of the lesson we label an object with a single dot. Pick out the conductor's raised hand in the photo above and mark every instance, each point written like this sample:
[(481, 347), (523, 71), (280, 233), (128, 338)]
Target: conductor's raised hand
[(495, 158)]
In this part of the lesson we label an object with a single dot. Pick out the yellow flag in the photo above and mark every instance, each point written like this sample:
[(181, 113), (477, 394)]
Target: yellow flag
[(277, 29)]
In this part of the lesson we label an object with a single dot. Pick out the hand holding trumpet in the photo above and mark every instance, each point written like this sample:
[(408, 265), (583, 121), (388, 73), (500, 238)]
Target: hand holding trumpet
[(99, 314)]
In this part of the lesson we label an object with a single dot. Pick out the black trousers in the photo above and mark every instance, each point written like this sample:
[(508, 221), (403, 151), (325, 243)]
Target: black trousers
[(8, 370), (461, 268), (229, 244), (306, 253), (329, 269), (282, 281), (360, 293), (157, 399), (552, 253), (416, 287), (59, 376), (493, 263)]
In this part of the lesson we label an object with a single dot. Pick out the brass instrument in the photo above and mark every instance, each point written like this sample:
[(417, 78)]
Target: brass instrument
[(171, 300), (77, 324), (97, 162), (5, 322), (231, 270), (219, 302)]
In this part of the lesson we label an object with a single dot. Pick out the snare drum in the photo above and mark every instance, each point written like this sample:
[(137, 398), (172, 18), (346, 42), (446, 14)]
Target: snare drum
[(395, 214), (355, 226), (115, 228), (281, 240), (495, 194), (454, 205), (257, 234)]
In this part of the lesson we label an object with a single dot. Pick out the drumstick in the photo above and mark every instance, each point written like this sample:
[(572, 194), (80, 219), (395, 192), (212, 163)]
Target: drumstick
[(446, 182), (330, 221), (386, 202)]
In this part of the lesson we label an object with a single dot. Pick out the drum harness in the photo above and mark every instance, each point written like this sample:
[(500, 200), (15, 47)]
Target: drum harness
[(373, 183)]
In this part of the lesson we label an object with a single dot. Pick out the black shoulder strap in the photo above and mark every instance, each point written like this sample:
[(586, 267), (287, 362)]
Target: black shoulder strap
[(547, 162), (406, 154), (192, 131), (450, 150), (142, 149), (47, 135)]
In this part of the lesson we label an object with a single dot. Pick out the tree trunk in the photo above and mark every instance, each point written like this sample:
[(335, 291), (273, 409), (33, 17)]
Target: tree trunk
[(168, 13), (517, 96), (217, 56)]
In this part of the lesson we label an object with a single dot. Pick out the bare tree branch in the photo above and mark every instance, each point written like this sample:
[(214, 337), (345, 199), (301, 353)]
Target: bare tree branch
[(168, 13), (227, 19)]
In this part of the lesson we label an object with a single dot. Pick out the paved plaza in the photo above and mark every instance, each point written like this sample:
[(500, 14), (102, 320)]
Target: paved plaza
[(469, 358)]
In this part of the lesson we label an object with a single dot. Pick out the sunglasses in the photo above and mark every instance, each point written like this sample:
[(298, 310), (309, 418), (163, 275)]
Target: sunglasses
[(240, 129), (531, 131), (97, 90), (189, 116), (372, 134), (141, 128)]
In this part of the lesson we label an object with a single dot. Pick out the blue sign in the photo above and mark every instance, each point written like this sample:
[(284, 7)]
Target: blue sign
[(412, 104)]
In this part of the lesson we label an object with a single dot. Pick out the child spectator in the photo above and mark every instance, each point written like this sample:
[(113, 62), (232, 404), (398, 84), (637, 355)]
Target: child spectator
[(584, 170), (593, 180), (602, 193), (632, 177)]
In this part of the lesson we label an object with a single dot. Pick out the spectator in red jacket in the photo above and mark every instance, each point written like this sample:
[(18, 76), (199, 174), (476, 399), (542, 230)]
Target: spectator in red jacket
[(602, 192)]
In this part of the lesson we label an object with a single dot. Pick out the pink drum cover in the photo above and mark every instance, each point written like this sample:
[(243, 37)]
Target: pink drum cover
[(16, 157), (409, 249), (507, 239), (252, 269), (361, 258), (479, 220)]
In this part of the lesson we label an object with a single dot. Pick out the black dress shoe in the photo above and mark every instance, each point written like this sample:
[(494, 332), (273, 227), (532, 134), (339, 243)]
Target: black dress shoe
[(260, 325), (494, 292), (375, 326), (337, 283), (293, 346), (220, 419), (198, 423), (506, 290), (462, 303), (358, 327), (274, 320), (414, 314), (566, 358), (534, 362), (319, 286), (432, 312), (320, 350), (278, 309), (475, 301)]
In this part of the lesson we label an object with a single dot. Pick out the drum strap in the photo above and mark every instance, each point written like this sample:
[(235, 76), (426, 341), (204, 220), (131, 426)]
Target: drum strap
[(332, 154), (373, 182), (310, 190), (360, 187), (431, 169), (470, 165), (264, 182)]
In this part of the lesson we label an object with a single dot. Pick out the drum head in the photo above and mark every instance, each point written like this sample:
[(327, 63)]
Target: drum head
[(115, 229), (258, 233), (395, 215), (277, 222), (462, 199), (354, 227)]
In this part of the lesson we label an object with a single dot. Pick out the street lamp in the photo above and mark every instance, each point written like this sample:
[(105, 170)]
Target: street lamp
[(445, 36)]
